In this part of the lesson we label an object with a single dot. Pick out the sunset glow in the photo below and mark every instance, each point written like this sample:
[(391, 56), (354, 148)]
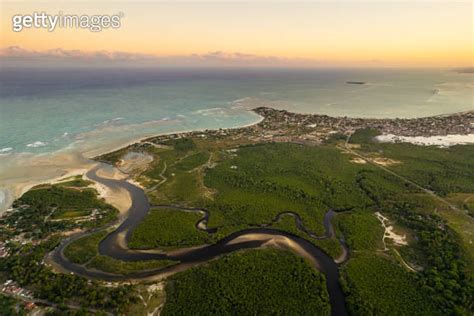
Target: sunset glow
[(417, 33)]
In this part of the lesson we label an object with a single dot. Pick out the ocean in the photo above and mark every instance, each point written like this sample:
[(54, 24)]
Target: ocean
[(50, 119)]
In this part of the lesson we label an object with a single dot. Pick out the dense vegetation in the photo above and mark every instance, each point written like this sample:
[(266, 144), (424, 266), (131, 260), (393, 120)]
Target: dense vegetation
[(442, 170), (264, 180), (84, 249), (362, 230), (444, 277), (182, 144), (35, 235), (253, 184), (25, 268), (248, 187), (437, 248), (34, 212), (168, 228), (251, 191), (375, 285), (8, 307), (263, 282)]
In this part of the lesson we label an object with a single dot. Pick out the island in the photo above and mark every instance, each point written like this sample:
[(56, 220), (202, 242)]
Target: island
[(296, 214), (356, 82)]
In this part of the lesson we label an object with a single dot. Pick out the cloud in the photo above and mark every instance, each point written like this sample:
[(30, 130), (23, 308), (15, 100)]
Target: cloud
[(17, 55), (16, 52), (243, 58)]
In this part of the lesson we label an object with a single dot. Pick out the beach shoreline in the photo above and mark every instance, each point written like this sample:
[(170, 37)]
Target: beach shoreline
[(92, 154), (68, 165), (15, 189)]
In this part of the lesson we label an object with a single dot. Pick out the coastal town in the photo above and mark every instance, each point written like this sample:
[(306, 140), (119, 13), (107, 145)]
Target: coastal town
[(312, 129)]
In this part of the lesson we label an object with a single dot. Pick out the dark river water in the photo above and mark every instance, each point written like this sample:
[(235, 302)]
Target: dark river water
[(115, 246)]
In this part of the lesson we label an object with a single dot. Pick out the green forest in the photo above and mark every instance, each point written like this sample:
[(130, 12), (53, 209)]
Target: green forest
[(257, 282), (37, 212), (168, 228), (250, 191), (423, 191)]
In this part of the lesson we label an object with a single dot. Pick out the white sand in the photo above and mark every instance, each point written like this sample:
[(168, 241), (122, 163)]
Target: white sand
[(441, 141), (276, 241), (358, 161), (389, 233), (119, 198)]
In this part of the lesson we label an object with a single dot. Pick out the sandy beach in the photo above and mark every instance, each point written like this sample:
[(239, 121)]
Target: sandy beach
[(23, 174), (28, 170), (119, 198)]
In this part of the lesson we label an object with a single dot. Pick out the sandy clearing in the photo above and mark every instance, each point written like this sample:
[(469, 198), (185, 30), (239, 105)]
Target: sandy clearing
[(72, 232), (385, 161), (358, 161), (389, 233), (353, 146), (441, 140)]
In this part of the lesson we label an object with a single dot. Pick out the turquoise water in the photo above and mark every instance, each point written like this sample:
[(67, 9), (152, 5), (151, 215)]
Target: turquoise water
[(49, 110), (52, 120)]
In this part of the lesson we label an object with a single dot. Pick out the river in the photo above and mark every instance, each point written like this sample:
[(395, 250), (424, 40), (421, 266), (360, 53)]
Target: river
[(115, 246)]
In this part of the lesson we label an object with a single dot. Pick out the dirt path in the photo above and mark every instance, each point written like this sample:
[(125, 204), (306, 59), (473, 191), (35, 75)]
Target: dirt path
[(162, 176)]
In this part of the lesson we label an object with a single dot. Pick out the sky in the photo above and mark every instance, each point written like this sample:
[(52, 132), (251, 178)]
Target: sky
[(418, 33)]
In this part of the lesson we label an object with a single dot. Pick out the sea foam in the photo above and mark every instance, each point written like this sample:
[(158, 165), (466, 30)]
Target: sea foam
[(36, 144)]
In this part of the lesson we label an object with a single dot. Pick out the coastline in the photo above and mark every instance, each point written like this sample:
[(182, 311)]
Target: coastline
[(92, 156), (84, 164), (15, 191), (262, 118), (87, 160)]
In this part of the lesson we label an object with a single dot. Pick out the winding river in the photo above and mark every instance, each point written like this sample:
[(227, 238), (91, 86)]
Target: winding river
[(115, 245)]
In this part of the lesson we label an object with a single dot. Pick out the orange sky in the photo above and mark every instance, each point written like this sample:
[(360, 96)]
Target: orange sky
[(406, 33)]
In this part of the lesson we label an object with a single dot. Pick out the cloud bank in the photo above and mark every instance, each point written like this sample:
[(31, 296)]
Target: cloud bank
[(15, 55)]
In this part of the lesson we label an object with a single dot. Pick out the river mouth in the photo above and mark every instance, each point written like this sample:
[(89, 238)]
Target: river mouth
[(115, 245)]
